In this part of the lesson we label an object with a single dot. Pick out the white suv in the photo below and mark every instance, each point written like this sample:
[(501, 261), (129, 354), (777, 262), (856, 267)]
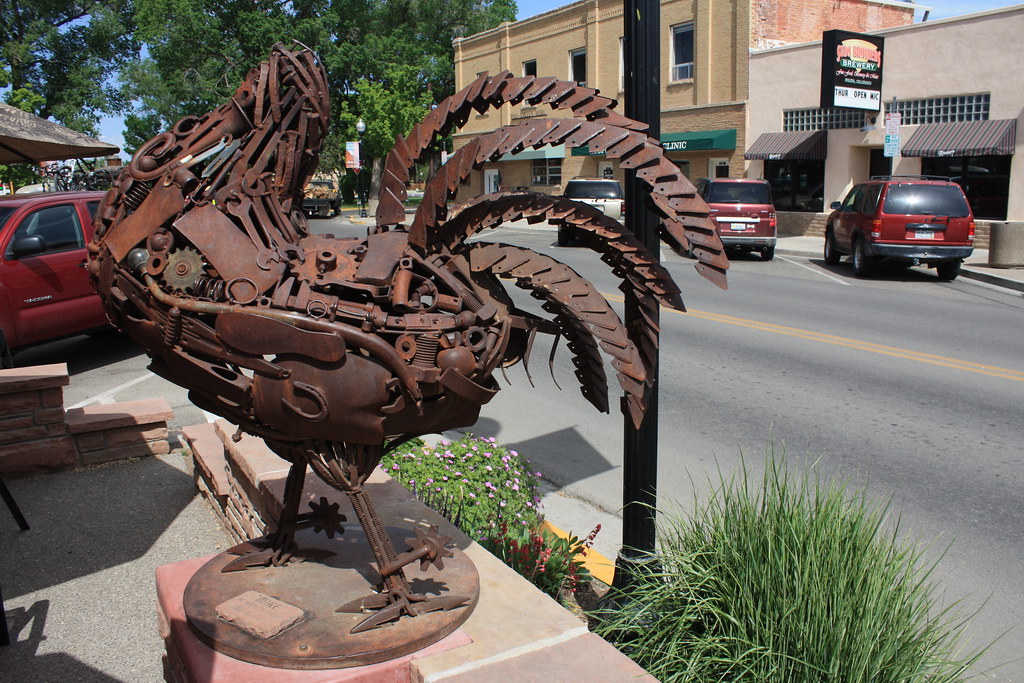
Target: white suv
[(602, 193)]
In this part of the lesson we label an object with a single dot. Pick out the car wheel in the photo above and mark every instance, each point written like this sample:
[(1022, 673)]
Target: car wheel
[(5, 353), (831, 255), (768, 253), (948, 270), (862, 263)]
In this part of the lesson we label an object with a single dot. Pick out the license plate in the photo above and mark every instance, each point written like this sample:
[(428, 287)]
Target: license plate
[(924, 234), (738, 226)]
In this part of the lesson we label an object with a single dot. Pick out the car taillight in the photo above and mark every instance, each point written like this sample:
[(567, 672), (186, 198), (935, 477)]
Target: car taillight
[(970, 231), (876, 228), (771, 221)]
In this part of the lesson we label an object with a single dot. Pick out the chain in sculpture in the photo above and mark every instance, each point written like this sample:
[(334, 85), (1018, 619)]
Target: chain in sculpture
[(335, 350)]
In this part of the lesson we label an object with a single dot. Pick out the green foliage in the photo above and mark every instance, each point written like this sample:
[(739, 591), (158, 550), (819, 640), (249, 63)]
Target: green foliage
[(552, 563), (481, 482), (57, 58), (797, 580)]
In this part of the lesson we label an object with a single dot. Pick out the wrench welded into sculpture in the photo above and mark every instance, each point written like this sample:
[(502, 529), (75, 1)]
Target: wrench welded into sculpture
[(334, 350)]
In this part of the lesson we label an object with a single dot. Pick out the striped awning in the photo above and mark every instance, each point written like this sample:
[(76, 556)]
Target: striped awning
[(802, 144), (962, 139)]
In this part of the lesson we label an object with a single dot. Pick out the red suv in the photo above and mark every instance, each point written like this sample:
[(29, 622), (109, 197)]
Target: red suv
[(906, 219), (45, 292), (743, 213)]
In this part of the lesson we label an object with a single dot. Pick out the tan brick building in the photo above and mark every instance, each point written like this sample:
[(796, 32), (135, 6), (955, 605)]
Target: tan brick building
[(704, 80)]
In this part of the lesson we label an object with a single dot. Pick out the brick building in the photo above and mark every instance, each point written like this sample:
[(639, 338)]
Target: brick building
[(705, 45)]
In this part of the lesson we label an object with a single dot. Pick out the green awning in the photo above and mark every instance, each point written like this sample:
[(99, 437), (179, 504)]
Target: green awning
[(724, 138)]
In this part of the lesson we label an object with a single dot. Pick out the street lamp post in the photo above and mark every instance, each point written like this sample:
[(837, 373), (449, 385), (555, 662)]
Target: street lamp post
[(361, 130)]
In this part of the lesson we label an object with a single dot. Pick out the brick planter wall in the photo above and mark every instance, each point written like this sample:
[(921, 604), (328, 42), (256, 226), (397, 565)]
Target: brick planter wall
[(36, 435)]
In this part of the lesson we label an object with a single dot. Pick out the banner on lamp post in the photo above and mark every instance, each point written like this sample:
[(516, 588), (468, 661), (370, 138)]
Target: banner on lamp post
[(352, 156)]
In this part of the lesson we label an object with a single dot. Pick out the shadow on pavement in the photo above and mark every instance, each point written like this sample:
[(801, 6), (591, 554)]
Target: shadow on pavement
[(82, 353), (86, 521)]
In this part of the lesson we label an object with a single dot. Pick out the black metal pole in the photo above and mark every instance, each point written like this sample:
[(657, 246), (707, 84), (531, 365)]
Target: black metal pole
[(641, 35)]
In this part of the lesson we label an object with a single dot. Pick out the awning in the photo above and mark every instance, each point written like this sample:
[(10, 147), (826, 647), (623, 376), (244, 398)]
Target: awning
[(26, 137), (697, 140), (962, 139), (801, 144), (549, 152), (724, 138)]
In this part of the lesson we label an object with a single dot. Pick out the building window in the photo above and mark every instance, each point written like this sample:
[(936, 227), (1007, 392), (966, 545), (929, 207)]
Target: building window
[(985, 179), (942, 109), (822, 119), (547, 171), (797, 184), (578, 66), (530, 68), (682, 52)]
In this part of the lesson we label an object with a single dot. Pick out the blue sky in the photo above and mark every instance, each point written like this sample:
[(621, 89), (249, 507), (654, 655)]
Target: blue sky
[(110, 129)]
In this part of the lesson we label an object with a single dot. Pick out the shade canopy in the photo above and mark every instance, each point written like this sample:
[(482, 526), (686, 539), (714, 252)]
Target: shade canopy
[(25, 137), (963, 139), (802, 144)]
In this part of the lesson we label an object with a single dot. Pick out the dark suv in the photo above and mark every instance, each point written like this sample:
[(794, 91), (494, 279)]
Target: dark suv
[(743, 213), (45, 292), (905, 219)]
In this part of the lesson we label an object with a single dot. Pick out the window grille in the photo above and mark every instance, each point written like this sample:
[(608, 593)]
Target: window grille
[(547, 171), (942, 109)]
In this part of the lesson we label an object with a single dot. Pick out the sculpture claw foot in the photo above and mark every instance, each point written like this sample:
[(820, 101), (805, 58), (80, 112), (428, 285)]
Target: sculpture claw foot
[(388, 607)]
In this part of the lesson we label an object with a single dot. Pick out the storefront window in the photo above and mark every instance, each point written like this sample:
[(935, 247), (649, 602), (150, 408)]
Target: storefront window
[(986, 181), (547, 171), (797, 184)]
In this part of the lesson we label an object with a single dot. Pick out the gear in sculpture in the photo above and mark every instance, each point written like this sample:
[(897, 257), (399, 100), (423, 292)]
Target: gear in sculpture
[(334, 350)]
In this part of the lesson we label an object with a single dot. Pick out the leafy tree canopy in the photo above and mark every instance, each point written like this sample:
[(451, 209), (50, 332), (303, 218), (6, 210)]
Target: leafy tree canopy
[(387, 61), (56, 57)]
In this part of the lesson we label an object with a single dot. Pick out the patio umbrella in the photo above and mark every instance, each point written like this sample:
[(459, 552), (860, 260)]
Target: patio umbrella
[(26, 137)]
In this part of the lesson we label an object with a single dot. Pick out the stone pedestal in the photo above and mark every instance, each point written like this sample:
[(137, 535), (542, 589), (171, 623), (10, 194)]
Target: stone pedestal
[(1006, 245), (188, 659)]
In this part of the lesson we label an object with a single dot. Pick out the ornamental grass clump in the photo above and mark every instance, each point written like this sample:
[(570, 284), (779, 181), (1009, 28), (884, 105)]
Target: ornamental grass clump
[(474, 482), (792, 580)]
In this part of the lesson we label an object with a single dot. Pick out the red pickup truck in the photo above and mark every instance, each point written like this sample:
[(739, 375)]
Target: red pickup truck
[(45, 292)]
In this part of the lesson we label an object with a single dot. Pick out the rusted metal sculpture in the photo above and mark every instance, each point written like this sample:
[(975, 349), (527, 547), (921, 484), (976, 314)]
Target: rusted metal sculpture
[(333, 350)]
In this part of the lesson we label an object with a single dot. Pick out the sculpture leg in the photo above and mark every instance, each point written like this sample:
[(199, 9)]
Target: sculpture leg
[(279, 547), (397, 598)]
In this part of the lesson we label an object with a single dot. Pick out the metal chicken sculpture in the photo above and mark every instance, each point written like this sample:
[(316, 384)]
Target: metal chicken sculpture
[(332, 350)]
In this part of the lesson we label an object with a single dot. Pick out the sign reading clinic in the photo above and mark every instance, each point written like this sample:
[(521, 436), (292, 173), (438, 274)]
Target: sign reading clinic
[(851, 70)]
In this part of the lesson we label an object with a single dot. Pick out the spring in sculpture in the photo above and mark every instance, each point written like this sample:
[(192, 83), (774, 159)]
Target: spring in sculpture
[(334, 350)]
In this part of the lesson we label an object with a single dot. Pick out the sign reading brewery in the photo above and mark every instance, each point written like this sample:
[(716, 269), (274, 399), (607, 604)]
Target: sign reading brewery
[(851, 70)]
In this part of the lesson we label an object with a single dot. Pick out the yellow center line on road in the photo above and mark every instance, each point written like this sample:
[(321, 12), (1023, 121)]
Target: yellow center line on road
[(896, 352)]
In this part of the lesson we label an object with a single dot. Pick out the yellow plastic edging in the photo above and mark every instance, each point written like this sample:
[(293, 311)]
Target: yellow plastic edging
[(599, 566)]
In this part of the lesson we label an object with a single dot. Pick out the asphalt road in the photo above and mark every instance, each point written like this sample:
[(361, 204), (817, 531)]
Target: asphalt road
[(901, 384)]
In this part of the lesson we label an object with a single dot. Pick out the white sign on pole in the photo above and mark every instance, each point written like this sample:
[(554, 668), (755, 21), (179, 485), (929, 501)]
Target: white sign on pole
[(892, 134)]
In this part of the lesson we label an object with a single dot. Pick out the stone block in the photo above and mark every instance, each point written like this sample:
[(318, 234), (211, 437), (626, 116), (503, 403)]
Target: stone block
[(127, 436), (52, 398), (33, 378), (9, 424), (208, 455), (90, 442), (19, 402), (113, 415), (125, 452), (46, 416), (38, 456), (13, 436), (584, 657)]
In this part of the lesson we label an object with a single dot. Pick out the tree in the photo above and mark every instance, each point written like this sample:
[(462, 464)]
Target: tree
[(56, 57)]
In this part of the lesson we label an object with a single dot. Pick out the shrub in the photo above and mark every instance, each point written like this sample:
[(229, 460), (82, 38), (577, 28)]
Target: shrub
[(474, 482), (550, 562), (491, 494), (795, 580)]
